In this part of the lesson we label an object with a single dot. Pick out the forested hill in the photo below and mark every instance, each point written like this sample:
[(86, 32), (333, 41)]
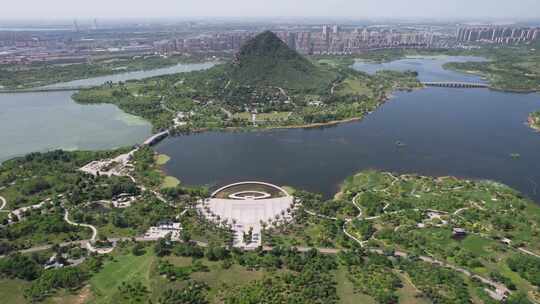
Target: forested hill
[(265, 60)]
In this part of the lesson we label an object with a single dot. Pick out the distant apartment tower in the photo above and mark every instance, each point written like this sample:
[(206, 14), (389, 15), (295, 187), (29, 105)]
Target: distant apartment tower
[(291, 40), (501, 35), (325, 32)]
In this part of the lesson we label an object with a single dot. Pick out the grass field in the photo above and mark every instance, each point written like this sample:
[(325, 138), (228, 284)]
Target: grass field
[(476, 244), (11, 291), (162, 159), (273, 116), (408, 294), (217, 277), (3, 216), (354, 86), (346, 292), (170, 182), (242, 115), (124, 268)]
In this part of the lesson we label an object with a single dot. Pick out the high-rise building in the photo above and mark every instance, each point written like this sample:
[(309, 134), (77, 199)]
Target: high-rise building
[(325, 31), (495, 34)]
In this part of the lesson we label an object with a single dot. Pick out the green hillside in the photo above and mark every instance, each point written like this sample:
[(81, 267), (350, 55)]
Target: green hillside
[(265, 60)]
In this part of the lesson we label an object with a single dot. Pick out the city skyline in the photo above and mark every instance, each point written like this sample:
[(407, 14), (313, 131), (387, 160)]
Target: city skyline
[(458, 9)]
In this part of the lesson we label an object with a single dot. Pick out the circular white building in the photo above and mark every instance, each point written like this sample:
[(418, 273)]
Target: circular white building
[(245, 206)]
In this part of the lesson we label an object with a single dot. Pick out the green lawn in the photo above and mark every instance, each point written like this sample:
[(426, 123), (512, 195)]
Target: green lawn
[(346, 292), (273, 116), (124, 268), (476, 244), (162, 159), (3, 215), (217, 275), (242, 115), (170, 182), (11, 291), (408, 293), (354, 86)]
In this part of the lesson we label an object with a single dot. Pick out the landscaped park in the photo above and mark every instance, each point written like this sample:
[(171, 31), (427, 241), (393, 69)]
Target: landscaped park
[(113, 227)]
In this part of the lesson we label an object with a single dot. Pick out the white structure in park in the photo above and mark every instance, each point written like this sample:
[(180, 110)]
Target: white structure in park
[(247, 206), (163, 229), (118, 166)]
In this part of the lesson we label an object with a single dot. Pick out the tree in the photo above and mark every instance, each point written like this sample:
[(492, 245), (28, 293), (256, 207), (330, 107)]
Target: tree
[(518, 298), (19, 266), (52, 279), (185, 236), (138, 249), (163, 246), (193, 293)]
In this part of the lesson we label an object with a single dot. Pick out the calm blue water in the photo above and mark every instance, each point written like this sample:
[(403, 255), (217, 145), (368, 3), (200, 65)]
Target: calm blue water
[(179, 68), (462, 132), (43, 121), (428, 68)]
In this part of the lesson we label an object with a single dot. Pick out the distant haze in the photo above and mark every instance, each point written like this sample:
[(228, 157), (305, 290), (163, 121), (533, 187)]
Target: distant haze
[(432, 9)]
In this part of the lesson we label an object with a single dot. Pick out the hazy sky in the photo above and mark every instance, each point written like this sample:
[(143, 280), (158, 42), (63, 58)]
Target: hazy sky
[(54, 9)]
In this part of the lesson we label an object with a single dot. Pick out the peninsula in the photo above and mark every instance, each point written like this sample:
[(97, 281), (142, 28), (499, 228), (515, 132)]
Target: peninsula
[(266, 85)]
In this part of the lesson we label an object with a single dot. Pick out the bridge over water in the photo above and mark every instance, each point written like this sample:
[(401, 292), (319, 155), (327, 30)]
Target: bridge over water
[(452, 84)]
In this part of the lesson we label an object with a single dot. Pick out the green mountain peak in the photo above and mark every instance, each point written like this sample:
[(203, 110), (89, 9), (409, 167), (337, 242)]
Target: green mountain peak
[(265, 60)]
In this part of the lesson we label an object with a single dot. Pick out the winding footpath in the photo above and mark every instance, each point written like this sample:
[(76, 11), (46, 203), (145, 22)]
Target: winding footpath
[(3, 203), (500, 290), (94, 230)]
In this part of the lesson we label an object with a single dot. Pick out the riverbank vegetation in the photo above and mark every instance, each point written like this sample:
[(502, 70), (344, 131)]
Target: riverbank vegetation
[(42, 74)]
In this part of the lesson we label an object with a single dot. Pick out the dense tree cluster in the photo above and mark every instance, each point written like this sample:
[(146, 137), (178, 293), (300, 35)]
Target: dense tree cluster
[(527, 266), (193, 293), (20, 266), (53, 279), (439, 284)]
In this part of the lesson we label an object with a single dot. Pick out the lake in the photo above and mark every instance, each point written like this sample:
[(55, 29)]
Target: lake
[(179, 68), (461, 132), (43, 121)]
